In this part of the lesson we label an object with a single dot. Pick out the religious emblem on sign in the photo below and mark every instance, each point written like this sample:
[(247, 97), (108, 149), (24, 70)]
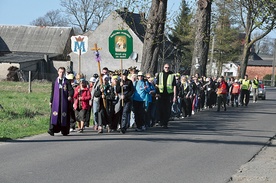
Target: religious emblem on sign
[(120, 43), (79, 44)]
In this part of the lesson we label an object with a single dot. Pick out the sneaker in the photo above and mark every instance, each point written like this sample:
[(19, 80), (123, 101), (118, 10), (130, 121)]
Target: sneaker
[(144, 128), (138, 129), (123, 131), (72, 130), (80, 131), (193, 112), (100, 129), (108, 129)]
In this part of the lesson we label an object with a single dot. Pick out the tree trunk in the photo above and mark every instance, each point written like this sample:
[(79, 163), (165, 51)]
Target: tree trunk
[(154, 36), (244, 60), (202, 39)]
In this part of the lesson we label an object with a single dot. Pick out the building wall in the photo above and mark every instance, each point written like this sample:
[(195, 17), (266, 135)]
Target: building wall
[(261, 71), (100, 36), (4, 69), (230, 70)]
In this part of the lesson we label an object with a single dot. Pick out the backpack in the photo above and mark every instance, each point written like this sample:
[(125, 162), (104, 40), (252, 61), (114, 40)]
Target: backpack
[(235, 88), (222, 89)]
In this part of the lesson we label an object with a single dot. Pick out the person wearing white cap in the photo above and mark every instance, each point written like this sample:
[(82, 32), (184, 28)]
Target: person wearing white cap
[(92, 81), (141, 89)]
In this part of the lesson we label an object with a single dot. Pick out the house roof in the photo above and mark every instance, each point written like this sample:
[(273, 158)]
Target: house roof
[(259, 63), (260, 60), (134, 21), (21, 57), (34, 39)]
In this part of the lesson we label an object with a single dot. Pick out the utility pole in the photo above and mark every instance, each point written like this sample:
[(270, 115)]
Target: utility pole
[(212, 56), (273, 66)]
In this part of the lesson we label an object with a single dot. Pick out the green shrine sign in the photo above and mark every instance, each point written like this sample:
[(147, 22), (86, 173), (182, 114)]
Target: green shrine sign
[(120, 44)]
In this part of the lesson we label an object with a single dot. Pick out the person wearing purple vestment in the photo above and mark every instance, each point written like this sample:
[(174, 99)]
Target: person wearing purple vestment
[(61, 95)]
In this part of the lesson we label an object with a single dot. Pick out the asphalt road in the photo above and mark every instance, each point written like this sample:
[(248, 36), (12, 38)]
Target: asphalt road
[(208, 147)]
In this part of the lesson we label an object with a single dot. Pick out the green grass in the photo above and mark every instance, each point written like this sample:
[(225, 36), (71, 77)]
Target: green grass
[(24, 114)]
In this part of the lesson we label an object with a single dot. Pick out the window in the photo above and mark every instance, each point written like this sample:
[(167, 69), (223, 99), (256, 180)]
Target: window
[(228, 74)]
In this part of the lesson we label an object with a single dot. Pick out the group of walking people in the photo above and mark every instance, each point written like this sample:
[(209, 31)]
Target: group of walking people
[(116, 102)]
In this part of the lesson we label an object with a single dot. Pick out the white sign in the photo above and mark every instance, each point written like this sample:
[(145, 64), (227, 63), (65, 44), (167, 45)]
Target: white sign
[(79, 44)]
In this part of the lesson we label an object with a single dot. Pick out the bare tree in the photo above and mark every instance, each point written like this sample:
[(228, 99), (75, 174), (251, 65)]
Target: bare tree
[(86, 14), (202, 37), (154, 35), (264, 46), (51, 18), (254, 15)]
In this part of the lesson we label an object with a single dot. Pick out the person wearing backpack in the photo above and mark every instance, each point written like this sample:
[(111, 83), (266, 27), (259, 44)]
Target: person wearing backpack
[(222, 91), (235, 92)]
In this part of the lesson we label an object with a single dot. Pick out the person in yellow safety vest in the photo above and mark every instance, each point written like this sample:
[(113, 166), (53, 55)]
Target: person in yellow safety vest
[(166, 83), (255, 88), (245, 91)]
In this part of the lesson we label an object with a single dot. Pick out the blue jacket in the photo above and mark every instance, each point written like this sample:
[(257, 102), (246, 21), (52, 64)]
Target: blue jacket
[(141, 89)]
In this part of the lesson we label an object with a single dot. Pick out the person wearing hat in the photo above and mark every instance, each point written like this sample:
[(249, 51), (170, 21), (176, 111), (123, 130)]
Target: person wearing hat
[(125, 91), (71, 79), (95, 101), (92, 81), (106, 95), (255, 88), (141, 87), (166, 84), (82, 96), (115, 113)]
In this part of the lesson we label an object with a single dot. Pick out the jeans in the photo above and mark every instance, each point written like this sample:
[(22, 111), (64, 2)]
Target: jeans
[(126, 115), (222, 98), (255, 94), (96, 108)]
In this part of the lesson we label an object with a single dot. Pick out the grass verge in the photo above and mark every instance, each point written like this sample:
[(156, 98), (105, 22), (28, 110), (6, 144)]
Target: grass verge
[(23, 114)]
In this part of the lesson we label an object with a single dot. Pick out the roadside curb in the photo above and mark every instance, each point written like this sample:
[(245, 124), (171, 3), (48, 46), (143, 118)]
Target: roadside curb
[(261, 168)]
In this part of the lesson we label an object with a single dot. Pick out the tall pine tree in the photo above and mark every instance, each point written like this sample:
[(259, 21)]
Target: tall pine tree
[(182, 36), (227, 43)]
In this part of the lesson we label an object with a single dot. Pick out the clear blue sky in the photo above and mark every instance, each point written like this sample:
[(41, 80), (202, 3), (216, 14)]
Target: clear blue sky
[(22, 12)]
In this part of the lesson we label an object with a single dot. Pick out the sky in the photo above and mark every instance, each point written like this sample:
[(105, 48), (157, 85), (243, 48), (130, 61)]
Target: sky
[(22, 12)]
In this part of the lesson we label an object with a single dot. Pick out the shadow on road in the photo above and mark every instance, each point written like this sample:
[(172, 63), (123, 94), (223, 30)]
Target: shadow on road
[(204, 127)]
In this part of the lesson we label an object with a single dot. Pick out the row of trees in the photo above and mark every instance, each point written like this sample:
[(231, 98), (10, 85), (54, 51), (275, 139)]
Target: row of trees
[(225, 26)]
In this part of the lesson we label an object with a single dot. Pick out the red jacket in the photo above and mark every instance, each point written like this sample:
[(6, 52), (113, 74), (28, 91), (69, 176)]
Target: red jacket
[(222, 88), (84, 94)]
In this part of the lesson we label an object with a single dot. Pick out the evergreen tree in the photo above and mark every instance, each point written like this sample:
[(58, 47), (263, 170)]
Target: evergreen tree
[(227, 42), (182, 36)]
